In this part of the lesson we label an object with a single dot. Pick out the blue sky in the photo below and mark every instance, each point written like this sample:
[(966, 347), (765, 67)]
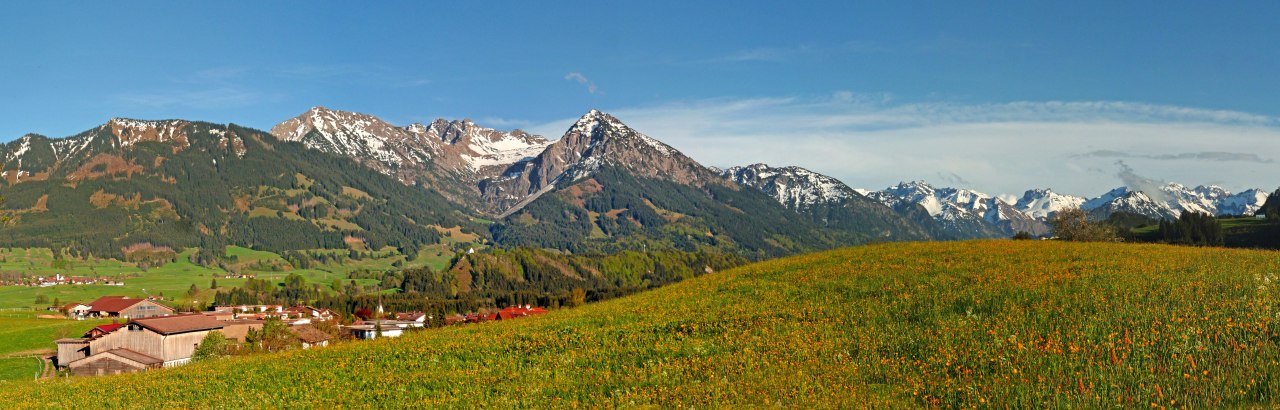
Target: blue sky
[(955, 93)]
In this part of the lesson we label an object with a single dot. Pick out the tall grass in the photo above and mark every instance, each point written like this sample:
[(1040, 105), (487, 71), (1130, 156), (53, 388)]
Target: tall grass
[(1009, 324)]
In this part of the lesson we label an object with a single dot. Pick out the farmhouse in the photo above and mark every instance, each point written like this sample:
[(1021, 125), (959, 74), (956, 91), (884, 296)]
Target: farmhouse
[(76, 311), (141, 344), (126, 307)]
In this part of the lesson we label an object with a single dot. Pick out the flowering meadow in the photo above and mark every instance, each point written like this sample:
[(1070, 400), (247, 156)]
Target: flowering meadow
[(958, 324)]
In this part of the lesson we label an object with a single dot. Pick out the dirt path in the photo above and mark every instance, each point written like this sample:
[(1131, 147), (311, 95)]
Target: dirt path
[(48, 369)]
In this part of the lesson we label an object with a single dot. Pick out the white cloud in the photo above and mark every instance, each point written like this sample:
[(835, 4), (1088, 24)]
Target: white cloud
[(581, 79), (997, 148)]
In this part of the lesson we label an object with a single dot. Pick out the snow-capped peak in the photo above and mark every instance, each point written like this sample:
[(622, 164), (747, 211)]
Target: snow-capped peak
[(792, 186), (481, 147), (458, 146), (966, 212), (1171, 200), (1042, 203)]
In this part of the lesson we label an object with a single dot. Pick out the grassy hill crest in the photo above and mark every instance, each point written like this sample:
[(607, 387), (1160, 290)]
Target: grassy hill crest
[(1024, 324)]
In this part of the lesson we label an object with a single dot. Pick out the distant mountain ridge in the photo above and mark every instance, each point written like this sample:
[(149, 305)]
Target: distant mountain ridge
[(332, 178), (828, 202), (960, 210)]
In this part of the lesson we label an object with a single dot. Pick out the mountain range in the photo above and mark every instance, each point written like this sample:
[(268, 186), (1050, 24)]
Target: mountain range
[(333, 179)]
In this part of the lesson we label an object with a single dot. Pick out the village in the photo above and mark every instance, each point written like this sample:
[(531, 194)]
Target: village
[(59, 279), (146, 334)]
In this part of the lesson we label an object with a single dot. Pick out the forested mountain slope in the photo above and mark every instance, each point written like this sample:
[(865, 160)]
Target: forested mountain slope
[(180, 184)]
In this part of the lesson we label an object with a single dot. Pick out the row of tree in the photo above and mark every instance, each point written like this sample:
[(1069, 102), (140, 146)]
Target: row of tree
[(495, 278)]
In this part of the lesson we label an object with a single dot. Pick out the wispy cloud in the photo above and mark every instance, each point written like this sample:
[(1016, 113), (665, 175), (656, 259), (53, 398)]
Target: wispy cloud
[(785, 53), (938, 45), (870, 141), (1196, 156), (581, 79), (952, 178)]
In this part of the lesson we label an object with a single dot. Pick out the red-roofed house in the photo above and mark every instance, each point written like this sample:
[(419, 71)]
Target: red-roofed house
[(126, 307), (101, 330)]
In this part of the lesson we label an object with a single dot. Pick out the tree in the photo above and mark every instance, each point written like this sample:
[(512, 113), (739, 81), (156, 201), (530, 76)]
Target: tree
[(193, 290), (212, 346), (1074, 225), (1271, 208), (213, 283), (1192, 228), (41, 299), (1022, 236), (273, 337), (577, 297)]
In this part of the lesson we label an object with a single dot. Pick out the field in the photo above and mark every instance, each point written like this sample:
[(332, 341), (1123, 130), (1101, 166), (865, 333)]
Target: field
[(966, 324), (173, 280), (25, 337)]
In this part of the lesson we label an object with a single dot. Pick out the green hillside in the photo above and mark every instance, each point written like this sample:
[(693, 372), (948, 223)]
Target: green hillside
[(615, 210), (25, 338), (209, 186), (1020, 324)]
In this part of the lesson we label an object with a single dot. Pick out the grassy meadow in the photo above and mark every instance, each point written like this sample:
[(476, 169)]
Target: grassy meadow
[(25, 337), (173, 280), (959, 324)]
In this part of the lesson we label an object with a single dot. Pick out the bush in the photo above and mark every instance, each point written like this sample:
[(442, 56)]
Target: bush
[(213, 345)]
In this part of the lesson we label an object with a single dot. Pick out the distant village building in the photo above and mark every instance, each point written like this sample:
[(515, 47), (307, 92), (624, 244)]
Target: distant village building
[(58, 279), (310, 336), (517, 312), (292, 315), (511, 312), (370, 329), (308, 312), (75, 310), (419, 317)]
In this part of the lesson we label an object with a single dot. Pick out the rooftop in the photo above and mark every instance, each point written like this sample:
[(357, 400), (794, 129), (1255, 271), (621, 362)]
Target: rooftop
[(179, 324)]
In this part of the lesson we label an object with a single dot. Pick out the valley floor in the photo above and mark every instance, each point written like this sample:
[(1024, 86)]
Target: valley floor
[(960, 324)]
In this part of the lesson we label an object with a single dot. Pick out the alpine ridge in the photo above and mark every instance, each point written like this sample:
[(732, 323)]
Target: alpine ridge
[(827, 201), (449, 156)]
